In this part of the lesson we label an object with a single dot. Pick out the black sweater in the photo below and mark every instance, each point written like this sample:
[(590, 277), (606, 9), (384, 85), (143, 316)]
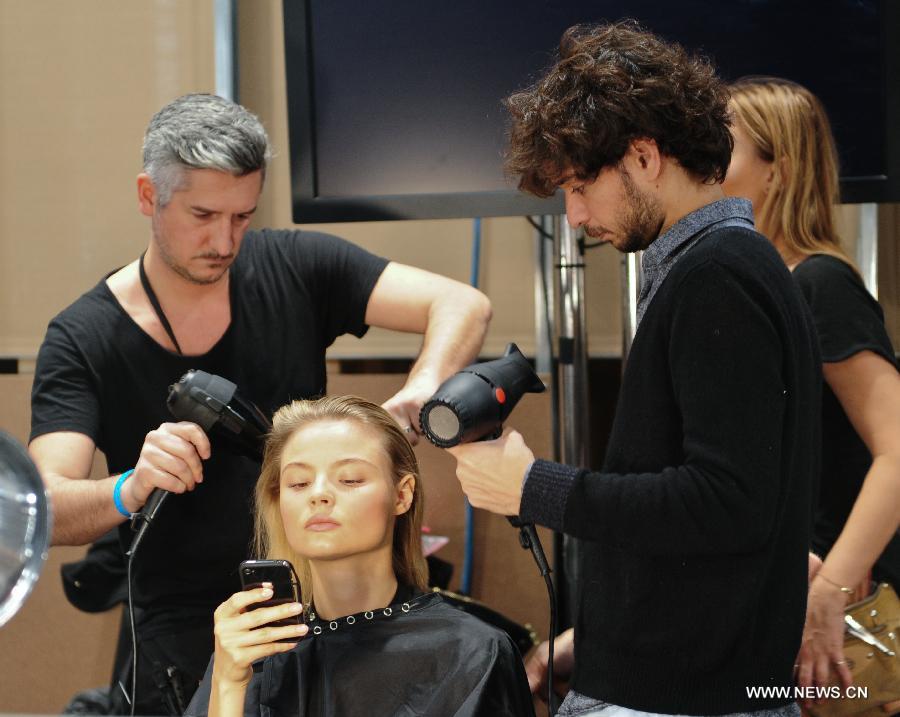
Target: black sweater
[(693, 579)]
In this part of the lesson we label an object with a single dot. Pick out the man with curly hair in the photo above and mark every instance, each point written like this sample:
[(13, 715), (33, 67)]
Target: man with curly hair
[(693, 566)]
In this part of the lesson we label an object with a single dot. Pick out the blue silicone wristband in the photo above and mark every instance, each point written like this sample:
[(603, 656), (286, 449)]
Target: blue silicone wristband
[(117, 493)]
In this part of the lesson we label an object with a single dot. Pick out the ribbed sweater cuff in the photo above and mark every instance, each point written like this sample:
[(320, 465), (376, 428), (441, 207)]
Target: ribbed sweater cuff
[(545, 493)]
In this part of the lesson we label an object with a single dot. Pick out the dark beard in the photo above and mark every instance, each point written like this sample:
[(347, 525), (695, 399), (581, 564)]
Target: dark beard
[(164, 253), (644, 220), (185, 274)]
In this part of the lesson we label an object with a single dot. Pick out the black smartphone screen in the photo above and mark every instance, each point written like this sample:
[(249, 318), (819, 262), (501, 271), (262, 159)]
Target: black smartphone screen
[(285, 588)]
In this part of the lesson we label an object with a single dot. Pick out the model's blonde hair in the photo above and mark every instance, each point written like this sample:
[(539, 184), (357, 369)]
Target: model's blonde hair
[(270, 539), (789, 127)]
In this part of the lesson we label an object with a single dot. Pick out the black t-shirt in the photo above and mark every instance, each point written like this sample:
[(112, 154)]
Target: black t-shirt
[(848, 320), (98, 373)]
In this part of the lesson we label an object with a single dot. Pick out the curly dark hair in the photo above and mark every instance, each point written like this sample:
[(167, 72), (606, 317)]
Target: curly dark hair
[(610, 85)]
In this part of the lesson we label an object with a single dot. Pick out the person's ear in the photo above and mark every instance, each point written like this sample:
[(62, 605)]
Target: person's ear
[(643, 159), (406, 489), (147, 195), (780, 170)]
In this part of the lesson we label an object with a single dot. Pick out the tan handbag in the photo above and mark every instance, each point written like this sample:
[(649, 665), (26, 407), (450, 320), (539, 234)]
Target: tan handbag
[(879, 673)]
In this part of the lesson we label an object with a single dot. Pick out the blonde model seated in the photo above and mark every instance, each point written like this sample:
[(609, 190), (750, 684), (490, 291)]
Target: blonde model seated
[(340, 497)]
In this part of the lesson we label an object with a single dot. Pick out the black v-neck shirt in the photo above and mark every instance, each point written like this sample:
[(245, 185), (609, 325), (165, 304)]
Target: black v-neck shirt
[(98, 373)]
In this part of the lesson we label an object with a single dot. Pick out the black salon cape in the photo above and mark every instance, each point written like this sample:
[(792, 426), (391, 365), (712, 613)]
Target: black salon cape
[(432, 660)]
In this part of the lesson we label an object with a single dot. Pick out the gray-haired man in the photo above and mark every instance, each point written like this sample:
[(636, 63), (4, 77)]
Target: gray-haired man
[(258, 307)]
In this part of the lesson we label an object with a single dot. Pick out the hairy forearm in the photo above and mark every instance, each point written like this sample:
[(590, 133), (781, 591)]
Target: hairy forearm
[(83, 510), (455, 333), (873, 521)]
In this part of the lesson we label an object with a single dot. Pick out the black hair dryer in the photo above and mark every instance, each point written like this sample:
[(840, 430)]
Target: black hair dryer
[(473, 404), (214, 404)]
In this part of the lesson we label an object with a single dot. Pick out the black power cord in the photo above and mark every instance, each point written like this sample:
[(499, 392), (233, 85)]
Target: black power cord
[(134, 654), (527, 534), (528, 539), (214, 404), (540, 230), (140, 522)]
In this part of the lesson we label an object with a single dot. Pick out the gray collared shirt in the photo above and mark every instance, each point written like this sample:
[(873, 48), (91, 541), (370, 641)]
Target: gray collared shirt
[(662, 254)]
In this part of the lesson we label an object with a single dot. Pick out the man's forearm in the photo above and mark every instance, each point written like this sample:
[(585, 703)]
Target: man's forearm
[(453, 318), (83, 510), (455, 333)]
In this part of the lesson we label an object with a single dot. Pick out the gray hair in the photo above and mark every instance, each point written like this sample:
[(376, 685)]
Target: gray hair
[(201, 131)]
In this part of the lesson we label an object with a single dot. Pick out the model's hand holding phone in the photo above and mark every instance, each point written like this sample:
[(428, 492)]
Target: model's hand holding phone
[(263, 619)]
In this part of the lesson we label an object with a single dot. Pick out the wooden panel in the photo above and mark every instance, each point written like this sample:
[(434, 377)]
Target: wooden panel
[(50, 650)]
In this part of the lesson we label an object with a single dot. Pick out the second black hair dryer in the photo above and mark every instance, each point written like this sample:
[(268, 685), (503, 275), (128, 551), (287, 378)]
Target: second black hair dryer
[(214, 404), (473, 404)]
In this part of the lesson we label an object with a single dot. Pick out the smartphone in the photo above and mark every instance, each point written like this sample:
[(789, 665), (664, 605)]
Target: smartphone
[(285, 586)]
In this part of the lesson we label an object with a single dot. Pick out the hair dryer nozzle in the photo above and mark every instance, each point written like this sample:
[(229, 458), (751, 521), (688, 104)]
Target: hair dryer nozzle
[(214, 404), (473, 404), (199, 397)]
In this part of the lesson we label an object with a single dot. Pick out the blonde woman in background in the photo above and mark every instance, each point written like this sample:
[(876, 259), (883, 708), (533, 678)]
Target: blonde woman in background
[(340, 496), (785, 162)]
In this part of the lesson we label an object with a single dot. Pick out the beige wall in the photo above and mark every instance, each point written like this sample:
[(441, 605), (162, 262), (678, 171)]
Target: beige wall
[(79, 82)]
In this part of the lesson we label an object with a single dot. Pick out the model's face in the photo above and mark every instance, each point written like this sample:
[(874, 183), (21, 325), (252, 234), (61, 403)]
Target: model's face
[(198, 233), (613, 209), (749, 175), (338, 498)]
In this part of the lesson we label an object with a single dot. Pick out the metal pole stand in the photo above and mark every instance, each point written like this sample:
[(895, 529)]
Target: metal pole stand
[(570, 337)]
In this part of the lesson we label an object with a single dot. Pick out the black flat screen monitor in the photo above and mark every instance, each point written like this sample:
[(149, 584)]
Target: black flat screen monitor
[(395, 108)]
